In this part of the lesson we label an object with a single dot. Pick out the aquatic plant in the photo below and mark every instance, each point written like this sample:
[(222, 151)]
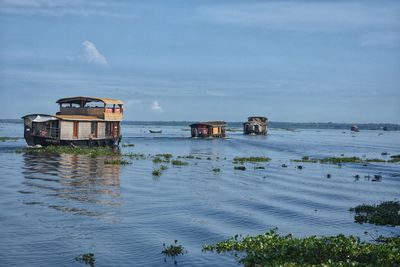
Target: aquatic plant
[(135, 155), (173, 250), (87, 258), (241, 160), (163, 167), (179, 163), (128, 145), (162, 158), (259, 167), (156, 172), (6, 138), (116, 162), (305, 159), (89, 151), (394, 158), (186, 157), (284, 166), (240, 168), (165, 156), (272, 249), (216, 170), (386, 213)]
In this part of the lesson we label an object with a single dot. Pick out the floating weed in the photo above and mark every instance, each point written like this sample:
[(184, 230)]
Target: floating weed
[(305, 159), (165, 156), (89, 151), (272, 249), (394, 158), (6, 138), (87, 258), (240, 168), (135, 155), (179, 163), (116, 162), (173, 250), (259, 167), (386, 213), (163, 167), (215, 170), (284, 166), (328, 175), (241, 160), (208, 158), (186, 157), (128, 145), (156, 172), (300, 167)]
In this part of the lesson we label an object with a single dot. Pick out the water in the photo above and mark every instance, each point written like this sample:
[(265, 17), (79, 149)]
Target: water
[(54, 208)]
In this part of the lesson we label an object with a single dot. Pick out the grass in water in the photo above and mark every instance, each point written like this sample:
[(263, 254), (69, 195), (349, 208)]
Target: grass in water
[(162, 158), (241, 160), (163, 167), (179, 163), (173, 250), (394, 159), (6, 138), (90, 151), (87, 258), (156, 172), (240, 168), (135, 155), (272, 249), (340, 160), (215, 170), (386, 213), (128, 145), (116, 162)]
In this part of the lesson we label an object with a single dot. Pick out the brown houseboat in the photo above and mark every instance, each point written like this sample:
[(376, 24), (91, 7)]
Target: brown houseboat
[(256, 126), (208, 129), (81, 121)]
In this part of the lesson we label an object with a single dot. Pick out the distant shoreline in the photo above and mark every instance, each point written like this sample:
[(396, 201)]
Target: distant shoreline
[(272, 124)]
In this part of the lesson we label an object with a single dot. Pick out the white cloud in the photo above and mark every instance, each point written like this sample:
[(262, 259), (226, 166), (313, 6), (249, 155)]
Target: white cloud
[(92, 55), (155, 106)]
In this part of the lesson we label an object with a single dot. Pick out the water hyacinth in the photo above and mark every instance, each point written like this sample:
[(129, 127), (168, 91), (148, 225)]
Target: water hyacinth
[(272, 249)]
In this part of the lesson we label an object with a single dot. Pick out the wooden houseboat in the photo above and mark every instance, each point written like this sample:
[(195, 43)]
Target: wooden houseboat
[(208, 129), (256, 126), (81, 121)]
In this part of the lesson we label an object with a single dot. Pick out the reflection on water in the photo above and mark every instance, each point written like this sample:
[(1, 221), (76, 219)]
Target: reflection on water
[(74, 184)]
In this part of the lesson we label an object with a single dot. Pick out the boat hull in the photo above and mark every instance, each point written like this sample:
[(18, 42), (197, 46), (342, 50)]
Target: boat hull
[(45, 141)]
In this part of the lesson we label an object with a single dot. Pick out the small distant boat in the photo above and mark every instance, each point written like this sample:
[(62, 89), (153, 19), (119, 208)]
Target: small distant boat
[(354, 128), (155, 131)]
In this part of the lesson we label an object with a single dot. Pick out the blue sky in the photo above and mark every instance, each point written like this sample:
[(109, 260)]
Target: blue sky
[(296, 61)]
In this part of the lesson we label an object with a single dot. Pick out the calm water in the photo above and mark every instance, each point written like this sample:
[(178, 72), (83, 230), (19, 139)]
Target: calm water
[(54, 208)]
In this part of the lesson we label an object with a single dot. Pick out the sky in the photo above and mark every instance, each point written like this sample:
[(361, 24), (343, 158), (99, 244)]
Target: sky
[(294, 61)]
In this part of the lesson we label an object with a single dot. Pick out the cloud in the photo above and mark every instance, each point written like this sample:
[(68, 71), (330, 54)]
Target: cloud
[(155, 106), (58, 8), (92, 55), (312, 16)]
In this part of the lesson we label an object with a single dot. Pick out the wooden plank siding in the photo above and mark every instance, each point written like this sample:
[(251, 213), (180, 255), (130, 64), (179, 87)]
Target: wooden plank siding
[(84, 131)]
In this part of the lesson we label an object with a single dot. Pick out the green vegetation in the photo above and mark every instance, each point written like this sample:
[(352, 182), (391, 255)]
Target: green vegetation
[(156, 172), (116, 162), (87, 258), (386, 213), (242, 160), (394, 158), (186, 157), (272, 249), (305, 159), (135, 155), (6, 138), (163, 167), (259, 168), (173, 250), (179, 163), (128, 145), (240, 168), (162, 158), (340, 160), (89, 151), (215, 170)]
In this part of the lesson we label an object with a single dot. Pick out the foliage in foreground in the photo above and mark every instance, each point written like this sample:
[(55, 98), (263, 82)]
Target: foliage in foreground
[(386, 213), (87, 258), (272, 249), (90, 151), (173, 250)]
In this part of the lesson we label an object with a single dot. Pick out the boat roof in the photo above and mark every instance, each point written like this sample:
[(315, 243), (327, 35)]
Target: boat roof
[(210, 123), (78, 118), (87, 99)]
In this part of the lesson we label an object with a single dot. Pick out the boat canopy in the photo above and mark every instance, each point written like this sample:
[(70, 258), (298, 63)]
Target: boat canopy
[(85, 99), (39, 117)]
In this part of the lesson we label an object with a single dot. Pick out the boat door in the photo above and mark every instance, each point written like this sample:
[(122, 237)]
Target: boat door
[(115, 129)]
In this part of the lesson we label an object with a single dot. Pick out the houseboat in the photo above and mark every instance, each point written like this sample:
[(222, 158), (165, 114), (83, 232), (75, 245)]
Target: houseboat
[(256, 126), (208, 129), (81, 121), (354, 128)]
